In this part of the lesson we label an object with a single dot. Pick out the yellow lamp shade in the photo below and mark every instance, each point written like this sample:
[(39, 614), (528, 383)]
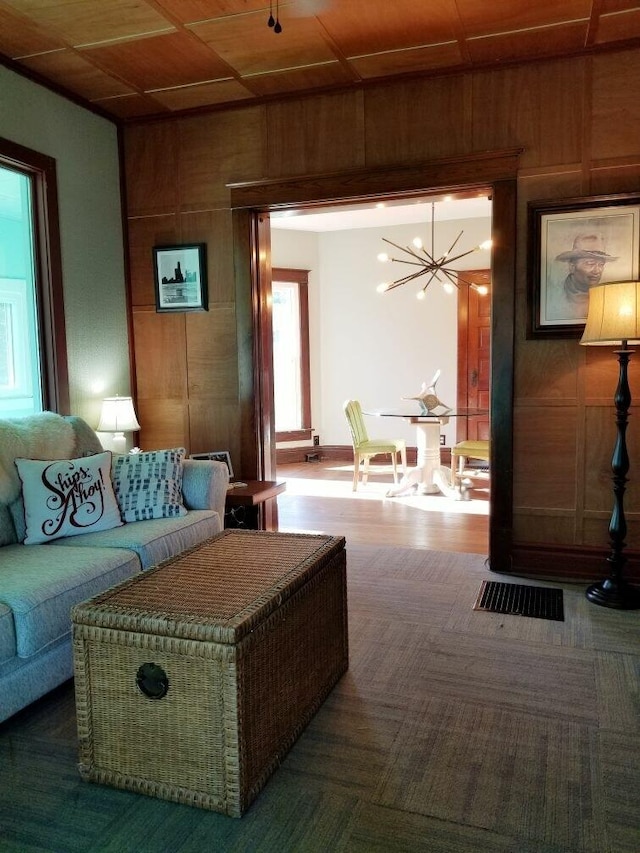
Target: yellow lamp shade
[(614, 314)]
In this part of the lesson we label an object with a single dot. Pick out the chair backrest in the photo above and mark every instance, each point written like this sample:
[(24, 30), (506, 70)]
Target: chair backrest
[(357, 428)]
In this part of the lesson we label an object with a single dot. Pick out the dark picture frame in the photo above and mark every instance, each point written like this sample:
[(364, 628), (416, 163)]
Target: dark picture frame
[(572, 244), (180, 275), (216, 456)]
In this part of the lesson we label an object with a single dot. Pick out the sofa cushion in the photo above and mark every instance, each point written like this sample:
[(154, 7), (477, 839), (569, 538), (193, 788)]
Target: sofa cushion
[(155, 539), (41, 584), (86, 441), (42, 436), (149, 485), (7, 527), (7, 634), (67, 497)]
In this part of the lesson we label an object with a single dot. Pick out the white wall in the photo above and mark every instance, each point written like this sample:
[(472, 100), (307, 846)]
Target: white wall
[(376, 347), (85, 147)]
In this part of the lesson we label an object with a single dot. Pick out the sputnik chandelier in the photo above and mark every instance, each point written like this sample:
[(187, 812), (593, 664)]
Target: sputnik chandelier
[(436, 268)]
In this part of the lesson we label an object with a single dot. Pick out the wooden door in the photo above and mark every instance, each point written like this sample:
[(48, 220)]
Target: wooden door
[(474, 354)]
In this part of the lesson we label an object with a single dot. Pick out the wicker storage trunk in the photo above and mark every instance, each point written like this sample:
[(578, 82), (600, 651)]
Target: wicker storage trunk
[(195, 678)]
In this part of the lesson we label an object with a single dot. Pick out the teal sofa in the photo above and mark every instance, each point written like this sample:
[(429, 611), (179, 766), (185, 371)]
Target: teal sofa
[(39, 584)]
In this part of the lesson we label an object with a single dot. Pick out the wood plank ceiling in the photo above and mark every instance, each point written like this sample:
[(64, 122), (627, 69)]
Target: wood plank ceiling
[(135, 58)]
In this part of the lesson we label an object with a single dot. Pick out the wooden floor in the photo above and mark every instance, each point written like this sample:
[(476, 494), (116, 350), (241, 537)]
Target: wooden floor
[(320, 499)]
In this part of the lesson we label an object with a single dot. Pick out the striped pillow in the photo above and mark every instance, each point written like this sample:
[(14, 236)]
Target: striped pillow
[(149, 485)]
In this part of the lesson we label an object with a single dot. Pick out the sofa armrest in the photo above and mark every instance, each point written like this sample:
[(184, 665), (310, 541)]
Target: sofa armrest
[(204, 485)]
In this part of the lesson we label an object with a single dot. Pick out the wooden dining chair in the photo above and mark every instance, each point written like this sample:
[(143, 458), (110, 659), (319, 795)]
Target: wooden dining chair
[(464, 450), (364, 447)]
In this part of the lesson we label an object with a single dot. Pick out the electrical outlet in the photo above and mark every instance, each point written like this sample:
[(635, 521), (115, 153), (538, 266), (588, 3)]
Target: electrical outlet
[(316, 440), (442, 437)]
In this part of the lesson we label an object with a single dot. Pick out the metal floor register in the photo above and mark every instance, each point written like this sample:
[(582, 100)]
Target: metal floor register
[(520, 600)]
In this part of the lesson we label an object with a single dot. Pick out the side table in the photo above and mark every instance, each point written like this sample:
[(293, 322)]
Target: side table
[(244, 505)]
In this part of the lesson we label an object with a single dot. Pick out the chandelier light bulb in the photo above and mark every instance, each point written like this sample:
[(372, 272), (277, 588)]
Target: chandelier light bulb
[(420, 294), (421, 262), (382, 287), (482, 289)]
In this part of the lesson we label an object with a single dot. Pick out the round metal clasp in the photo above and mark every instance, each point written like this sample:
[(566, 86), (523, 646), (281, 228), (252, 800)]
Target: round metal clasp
[(152, 680)]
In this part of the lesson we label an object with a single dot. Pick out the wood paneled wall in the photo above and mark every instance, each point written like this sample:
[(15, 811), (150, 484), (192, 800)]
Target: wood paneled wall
[(578, 124)]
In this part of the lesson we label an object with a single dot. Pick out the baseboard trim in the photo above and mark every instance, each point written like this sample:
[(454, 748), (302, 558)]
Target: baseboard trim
[(572, 562)]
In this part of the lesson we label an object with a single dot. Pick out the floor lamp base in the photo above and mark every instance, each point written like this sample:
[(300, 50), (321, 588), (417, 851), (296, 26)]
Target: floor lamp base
[(617, 594)]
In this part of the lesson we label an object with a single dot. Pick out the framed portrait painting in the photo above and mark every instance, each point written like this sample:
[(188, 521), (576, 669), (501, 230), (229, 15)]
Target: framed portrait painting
[(180, 274), (574, 245)]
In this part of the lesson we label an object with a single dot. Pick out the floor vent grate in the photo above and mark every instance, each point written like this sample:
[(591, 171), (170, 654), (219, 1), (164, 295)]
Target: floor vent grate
[(514, 599)]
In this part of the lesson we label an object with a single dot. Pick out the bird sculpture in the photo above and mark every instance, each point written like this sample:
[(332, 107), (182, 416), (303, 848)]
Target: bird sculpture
[(428, 399)]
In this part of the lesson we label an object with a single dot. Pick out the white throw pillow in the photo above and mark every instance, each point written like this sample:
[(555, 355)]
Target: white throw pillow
[(66, 497), (149, 485)]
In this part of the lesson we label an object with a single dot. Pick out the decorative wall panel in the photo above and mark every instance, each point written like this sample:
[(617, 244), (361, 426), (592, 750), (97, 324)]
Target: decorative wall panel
[(215, 149), (151, 162), (316, 134)]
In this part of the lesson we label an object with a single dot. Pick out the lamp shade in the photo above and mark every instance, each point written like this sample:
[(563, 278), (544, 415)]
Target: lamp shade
[(614, 314), (118, 415)]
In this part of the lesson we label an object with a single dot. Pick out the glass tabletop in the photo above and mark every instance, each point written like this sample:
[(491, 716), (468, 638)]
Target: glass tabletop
[(409, 411)]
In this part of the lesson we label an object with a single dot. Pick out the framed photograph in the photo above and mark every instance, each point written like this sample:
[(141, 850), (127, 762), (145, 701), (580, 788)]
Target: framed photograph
[(574, 245), (180, 274), (217, 456)]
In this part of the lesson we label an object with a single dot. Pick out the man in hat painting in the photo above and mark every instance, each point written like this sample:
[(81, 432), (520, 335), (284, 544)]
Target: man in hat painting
[(586, 260)]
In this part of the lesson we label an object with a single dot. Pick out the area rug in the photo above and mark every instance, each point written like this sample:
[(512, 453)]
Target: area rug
[(453, 730)]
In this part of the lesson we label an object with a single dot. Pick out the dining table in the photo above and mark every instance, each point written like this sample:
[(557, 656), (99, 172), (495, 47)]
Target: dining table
[(429, 476)]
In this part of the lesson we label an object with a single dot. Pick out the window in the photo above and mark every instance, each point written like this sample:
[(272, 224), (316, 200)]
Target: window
[(292, 398), (20, 381), (33, 370)]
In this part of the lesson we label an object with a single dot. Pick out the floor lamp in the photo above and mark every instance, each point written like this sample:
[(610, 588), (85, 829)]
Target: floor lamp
[(614, 319)]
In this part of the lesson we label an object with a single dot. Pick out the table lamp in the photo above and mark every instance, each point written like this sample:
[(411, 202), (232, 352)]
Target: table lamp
[(614, 319), (118, 416)]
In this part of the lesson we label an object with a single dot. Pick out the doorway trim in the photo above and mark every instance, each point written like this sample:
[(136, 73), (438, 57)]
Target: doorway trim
[(495, 172)]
